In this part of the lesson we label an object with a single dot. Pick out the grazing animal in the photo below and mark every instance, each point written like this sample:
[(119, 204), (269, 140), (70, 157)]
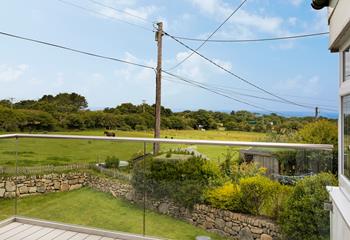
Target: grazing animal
[(109, 134)]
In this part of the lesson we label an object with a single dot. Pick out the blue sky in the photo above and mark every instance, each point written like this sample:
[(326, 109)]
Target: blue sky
[(300, 70)]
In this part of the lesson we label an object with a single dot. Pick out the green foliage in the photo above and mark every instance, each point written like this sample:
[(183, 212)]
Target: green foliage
[(287, 161), (319, 132), (226, 197), (303, 216), (245, 170), (184, 181), (230, 159), (26, 120), (112, 162), (256, 193), (69, 111), (300, 162)]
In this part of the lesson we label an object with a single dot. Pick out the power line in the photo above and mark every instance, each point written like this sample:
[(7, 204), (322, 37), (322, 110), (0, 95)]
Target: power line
[(289, 95), (208, 38), (247, 95), (119, 10), (254, 40), (76, 50), (217, 92), (325, 107), (105, 15), (235, 75)]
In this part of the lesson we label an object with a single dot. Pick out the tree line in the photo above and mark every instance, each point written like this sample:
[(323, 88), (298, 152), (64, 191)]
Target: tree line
[(69, 111)]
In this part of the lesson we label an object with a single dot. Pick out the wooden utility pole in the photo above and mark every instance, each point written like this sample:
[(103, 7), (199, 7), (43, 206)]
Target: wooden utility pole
[(159, 39)]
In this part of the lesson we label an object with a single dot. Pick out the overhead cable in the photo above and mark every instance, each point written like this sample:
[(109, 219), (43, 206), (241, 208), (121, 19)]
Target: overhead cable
[(236, 75), (75, 50), (254, 40), (105, 15), (208, 38)]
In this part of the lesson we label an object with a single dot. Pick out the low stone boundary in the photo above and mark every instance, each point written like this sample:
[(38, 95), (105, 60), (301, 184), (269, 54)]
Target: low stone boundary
[(223, 222), (32, 185)]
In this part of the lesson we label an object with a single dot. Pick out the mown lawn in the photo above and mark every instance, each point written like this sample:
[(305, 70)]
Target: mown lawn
[(61, 152), (96, 209)]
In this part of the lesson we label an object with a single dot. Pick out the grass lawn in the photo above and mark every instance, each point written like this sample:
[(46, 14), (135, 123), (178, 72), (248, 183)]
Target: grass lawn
[(59, 152), (96, 209)]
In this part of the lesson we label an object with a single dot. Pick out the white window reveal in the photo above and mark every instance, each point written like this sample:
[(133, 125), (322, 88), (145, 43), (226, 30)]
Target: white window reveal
[(347, 64), (346, 136)]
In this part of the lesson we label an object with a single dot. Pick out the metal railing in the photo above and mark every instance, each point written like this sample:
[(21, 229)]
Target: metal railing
[(175, 141), (145, 141)]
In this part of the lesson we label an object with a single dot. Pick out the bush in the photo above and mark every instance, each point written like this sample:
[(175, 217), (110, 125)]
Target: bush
[(184, 181), (112, 162), (226, 197), (276, 202), (257, 192), (245, 170), (255, 195), (303, 216)]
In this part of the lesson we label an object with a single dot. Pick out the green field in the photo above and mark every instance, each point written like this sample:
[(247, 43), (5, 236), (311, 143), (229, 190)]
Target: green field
[(96, 209), (61, 152)]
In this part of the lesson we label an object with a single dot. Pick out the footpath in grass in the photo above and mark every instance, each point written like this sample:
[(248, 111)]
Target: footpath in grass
[(96, 209)]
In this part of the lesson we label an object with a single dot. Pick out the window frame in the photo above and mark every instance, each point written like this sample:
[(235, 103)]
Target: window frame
[(345, 75), (344, 90)]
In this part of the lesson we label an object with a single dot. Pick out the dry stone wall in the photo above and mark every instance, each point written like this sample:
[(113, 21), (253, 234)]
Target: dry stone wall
[(226, 223), (223, 222), (33, 185)]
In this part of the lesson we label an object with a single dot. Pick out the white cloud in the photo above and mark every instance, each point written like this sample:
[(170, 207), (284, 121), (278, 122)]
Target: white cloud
[(12, 73), (196, 68), (301, 85), (296, 2), (243, 21), (129, 9), (134, 83)]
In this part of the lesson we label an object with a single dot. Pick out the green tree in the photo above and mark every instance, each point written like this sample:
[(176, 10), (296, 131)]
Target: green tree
[(303, 216), (319, 132)]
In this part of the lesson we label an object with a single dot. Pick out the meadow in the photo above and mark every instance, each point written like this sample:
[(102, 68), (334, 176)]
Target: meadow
[(96, 209), (34, 152)]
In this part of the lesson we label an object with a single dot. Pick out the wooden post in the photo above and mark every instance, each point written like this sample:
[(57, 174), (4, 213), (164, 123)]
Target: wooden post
[(159, 39)]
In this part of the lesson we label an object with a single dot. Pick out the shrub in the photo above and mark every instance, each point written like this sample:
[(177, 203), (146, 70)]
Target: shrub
[(184, 181), (245, 170), (227, 197), (276, 200), (112, 162), (230, 159), (256, 192), (303, 216)]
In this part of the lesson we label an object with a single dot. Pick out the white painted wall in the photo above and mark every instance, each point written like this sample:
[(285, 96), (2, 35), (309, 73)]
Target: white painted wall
[(339, 23), (339, 27)]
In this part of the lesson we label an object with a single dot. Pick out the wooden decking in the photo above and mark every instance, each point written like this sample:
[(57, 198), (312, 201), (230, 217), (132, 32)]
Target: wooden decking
[(19, 228)]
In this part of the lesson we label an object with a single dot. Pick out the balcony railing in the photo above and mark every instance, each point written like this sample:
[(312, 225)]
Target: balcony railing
[(38, 173)]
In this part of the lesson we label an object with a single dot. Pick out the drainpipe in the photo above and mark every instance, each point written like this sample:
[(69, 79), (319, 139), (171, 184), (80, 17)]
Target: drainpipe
[(319, 4)]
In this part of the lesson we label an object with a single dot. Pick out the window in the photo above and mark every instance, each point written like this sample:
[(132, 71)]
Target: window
[(346, 136), (347, 65)]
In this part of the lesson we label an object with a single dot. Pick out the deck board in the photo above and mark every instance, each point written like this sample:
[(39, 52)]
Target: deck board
[(19, 228)]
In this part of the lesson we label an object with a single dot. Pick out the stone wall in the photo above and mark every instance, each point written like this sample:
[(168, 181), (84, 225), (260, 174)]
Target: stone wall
[(225, 223), (32, 185)]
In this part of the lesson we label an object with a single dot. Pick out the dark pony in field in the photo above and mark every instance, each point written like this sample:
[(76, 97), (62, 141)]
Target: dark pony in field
[(109, 134)]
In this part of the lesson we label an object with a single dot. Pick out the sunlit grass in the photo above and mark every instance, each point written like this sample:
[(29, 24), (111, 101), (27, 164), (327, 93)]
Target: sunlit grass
[(96, 209)]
